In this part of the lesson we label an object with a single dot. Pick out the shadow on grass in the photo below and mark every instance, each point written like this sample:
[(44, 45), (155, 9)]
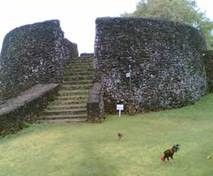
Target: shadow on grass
[(92, 164)]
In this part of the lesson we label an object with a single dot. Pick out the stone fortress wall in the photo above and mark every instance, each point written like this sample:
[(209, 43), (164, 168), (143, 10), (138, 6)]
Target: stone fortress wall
[(32, 54), (164, 59), (208, 58)]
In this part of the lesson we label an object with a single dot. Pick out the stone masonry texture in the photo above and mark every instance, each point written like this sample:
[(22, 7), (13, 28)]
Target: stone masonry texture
[(31, 54), (163, 57), (208, 57)]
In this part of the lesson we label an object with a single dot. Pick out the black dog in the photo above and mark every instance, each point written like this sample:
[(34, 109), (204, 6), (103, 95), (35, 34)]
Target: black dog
[(170, 152)]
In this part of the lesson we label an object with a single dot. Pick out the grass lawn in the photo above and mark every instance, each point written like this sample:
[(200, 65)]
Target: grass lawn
[(94, 149)]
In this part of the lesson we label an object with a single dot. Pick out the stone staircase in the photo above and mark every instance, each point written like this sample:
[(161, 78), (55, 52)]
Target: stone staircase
[(70, 105)]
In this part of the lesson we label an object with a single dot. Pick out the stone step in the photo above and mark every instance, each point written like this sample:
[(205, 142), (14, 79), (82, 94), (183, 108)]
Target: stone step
[(80, 64), (73, 92), (72, 97), (69, 120), (79, 70), (69, 102), (68, 116), (65, 111), (62, 117), (75, 87), (73, 72), (79, 67), (69, 106), (78, 77), (77, 82), (82, 60)]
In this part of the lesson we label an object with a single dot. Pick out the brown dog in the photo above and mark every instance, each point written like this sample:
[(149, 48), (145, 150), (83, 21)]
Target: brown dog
[(170, 152)]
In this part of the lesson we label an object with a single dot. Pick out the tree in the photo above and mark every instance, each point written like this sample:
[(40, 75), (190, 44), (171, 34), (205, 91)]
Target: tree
[(184, 11)]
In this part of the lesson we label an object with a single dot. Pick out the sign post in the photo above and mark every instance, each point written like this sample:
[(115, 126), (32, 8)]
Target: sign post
[(119, 107)]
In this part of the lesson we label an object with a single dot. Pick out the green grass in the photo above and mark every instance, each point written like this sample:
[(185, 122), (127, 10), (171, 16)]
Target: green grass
[(94, 149)]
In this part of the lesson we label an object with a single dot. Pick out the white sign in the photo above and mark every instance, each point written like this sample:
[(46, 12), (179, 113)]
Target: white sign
[(128, 75), (120, 107)]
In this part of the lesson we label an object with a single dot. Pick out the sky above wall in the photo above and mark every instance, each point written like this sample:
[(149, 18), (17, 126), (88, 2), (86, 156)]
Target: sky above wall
[(77, 17)]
